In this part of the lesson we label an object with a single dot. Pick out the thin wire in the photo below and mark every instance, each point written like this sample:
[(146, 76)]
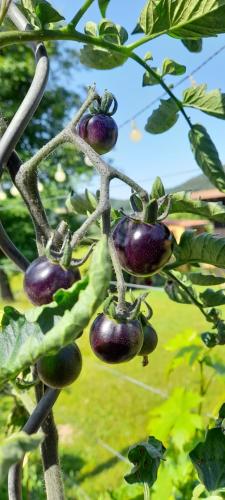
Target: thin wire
[(184, 79)]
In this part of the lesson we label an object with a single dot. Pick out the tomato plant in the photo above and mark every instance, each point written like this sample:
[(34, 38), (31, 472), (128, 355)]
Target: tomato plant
[(38, 350)]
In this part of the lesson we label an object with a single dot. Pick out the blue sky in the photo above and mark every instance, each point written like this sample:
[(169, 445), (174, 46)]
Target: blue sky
[(168, 154)]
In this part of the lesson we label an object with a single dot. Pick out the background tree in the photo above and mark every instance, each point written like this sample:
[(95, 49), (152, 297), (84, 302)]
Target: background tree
[(16, 71)]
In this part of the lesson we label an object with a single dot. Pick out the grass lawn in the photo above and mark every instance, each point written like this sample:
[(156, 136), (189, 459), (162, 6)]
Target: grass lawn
[(108, 407)]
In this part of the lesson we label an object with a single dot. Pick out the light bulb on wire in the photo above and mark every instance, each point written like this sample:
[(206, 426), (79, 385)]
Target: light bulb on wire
[(87, 161), (3, 195), (60, 175), (14, 191), (40, 187), (135, 134)]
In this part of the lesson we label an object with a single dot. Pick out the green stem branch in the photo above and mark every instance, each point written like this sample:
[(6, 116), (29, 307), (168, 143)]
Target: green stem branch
[(80, 13), (187, 291), (160, 80)]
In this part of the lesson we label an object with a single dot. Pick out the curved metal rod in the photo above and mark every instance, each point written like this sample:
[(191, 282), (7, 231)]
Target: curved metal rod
[(33, 424), (15, 129), (32, 99)]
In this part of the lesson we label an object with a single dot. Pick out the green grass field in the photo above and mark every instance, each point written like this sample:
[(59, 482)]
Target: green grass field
[(108, 407)]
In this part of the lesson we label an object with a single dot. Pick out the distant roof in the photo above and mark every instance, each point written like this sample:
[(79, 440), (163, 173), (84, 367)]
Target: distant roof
[(187, 222), (207, 194)]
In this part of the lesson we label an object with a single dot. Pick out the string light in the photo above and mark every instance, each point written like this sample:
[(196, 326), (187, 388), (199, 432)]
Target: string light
[(135, 134), (3, 195), (60, 175), (40, 187), (87, 161), (14, 191)]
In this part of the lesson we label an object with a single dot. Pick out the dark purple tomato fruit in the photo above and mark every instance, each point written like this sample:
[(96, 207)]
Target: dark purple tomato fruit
[(61, 369), (150, 340), (115, 342), (142, 248), (99, 131), (43, 278)]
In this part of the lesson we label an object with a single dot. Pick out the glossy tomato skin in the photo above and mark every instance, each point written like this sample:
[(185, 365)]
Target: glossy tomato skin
[(99, 131), (150, 340), (61, 369), (142, 248), (43, 278), (115, 342)]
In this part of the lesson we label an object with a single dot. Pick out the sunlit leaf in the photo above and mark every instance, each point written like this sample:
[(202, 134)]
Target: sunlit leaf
[(207, 156), (163, 118), (205, 247), (171, 67), (212, 103), (175, 419), (181, 19), (183, 202)]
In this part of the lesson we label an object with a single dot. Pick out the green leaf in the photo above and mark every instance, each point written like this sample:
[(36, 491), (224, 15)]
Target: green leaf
[(193, 45), (206, 248), (46, 13), (204, 279), (176, 292), (158, 190), (67, 328), (206, 156), (183, 202), (211, 298), (171, 67), (146, 457), (103, 4), (193, 20), (208, 460), (175, 419), (212, 103), (16, 332), (163, 118), (13, 448), (149, 79), (100, 58), (81, 204), (111, 32)]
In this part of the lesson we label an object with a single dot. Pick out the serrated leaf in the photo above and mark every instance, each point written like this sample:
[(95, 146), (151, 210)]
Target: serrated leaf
[(163, 118), (112, 32), (183, 202), (171, 67), (193, 20), (13, 448), (193, 45), (175, 419), (103, 4), (212, 103), (149, 79), (211, 298), (204, 279), (146, 457), (157, 189), (205, 247), (46, 13), (206, 156), (100, 58), (67, 328), (208, 460)]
